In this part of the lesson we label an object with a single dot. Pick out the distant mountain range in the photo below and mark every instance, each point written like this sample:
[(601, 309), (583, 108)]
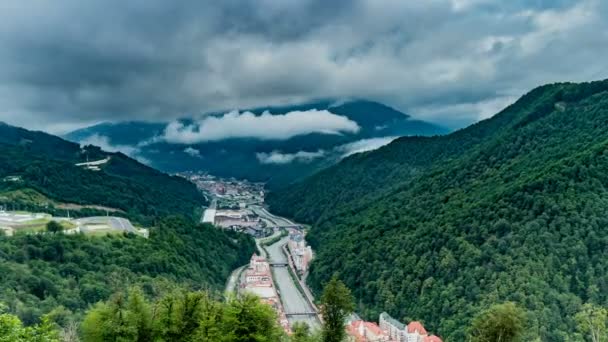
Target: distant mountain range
[(513, 208), (274, 144)]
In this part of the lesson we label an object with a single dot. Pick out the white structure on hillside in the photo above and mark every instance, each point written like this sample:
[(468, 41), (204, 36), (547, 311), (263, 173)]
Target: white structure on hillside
[(209, 216), (94, 165), (397, 331), (300, 252)]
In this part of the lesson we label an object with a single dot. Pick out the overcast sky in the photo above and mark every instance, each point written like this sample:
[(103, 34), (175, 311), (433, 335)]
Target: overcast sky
[(69, 63)]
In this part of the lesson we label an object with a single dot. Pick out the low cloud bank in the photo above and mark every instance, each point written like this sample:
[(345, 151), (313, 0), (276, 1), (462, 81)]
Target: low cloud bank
[(265, 126), (342, 151), (104, 143), (276, 157), (364, 145), (192, 152)]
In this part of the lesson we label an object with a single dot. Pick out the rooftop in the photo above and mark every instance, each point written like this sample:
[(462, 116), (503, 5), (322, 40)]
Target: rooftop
[(416, 326)]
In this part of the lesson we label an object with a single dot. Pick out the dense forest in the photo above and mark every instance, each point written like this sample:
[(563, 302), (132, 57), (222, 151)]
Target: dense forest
[(437, 229), (64, 274), (46, 164)]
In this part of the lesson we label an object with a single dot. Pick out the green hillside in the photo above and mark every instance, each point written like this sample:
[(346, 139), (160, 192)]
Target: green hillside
[(46, 164), (437, 229), (65, 274)]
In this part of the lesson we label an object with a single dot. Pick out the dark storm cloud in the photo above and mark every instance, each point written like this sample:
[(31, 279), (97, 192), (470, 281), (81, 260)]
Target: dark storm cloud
[(68, 63)]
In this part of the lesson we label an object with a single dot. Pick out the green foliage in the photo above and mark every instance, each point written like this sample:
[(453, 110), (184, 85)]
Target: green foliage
[(43, 272), (336, 304), (500, 323), (591, 322), (12, 330), (302, 333), (54, 227), (248, 319), (181, 316), (510, 209)]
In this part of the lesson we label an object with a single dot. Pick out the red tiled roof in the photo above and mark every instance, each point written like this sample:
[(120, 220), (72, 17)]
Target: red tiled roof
[(374, 328), (371, 327), (416, 326), (353, 330), (432, 338)]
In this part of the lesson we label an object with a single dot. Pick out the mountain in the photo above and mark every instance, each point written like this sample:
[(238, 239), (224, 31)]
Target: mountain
[(279, 161), (512, 208), (47, 164), (62, 275)]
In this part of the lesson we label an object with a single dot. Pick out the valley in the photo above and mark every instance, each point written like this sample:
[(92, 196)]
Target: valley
[(304, 171), (280, 287)]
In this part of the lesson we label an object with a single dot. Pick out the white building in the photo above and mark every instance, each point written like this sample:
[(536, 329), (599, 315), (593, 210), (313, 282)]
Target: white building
[(397, 331)]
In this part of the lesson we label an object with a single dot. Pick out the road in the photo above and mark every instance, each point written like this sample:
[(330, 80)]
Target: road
[(276, 220), (232, 281), (293, 301)]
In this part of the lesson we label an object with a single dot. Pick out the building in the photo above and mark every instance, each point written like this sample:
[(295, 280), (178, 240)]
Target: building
[(240, 218), (209, 216), (300, 252), (362, 331), (392, 327), (258, 280), (413, 332), (258, 272)]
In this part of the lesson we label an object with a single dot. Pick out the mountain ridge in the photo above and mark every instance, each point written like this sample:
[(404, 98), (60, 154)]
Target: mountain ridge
[(47, 164), (516, 215)]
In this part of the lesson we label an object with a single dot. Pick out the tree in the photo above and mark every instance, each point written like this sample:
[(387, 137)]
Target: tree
[(591, 322), (248, 319), (70, 333), (301, 333), (54, 227), (500, 323), (12, 330), (336, 304), (181, 316)]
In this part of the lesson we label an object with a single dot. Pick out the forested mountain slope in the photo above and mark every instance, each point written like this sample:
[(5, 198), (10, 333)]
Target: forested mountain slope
[(512, 208), (46, 164), (65, 274)]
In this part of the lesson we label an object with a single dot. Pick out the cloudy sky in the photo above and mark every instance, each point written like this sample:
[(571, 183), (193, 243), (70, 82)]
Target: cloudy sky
[(69, 63)]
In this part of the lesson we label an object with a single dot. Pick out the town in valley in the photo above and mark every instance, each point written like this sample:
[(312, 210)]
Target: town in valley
[(277, 274)]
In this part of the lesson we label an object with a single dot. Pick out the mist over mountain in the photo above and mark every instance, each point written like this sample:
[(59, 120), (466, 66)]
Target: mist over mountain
[(274, 144)]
